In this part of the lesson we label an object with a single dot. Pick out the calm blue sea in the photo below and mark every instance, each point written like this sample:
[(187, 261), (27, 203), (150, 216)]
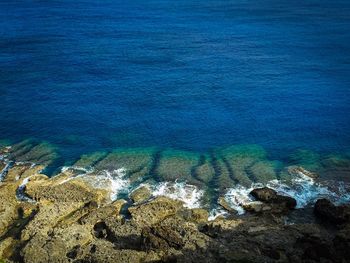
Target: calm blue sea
[(186, 74)]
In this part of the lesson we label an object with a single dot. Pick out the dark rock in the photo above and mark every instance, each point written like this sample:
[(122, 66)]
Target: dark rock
[(275, 203), (263, 194), (326, 210), (285, 201)]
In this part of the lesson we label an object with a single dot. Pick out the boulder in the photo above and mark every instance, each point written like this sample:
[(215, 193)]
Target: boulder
[(276, 203), (264, 194)]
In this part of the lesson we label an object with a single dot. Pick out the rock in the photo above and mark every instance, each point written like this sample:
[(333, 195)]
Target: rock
[(140, 194), (7, 247), (224, 204), (284, 202), (264, 194), (102, 213), (276, 203), (325, 209), (125, 234), (256, 206), (195, 215), (103, 251), (48, 216), (155, 211), (341, 243), (71, 191)]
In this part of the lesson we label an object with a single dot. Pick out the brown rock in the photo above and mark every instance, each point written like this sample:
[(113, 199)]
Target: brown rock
[(140, 194), (155, 210)]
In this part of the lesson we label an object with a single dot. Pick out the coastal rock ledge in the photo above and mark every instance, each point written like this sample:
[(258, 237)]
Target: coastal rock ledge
[(65, 219)]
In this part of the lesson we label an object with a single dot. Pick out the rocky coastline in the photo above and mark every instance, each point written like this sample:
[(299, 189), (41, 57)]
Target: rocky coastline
[(66, 218)]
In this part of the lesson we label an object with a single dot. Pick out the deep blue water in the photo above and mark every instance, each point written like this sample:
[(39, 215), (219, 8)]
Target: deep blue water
[(95, 75)]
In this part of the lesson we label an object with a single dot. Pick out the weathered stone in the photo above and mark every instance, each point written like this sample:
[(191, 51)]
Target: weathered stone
[(224, 204), (140, 194), (155, 211)]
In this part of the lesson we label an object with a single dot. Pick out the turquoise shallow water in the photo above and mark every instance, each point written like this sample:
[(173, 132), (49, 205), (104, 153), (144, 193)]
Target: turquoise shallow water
[(196, 76)]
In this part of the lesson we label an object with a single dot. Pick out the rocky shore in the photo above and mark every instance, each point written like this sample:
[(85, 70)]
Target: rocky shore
[(74, 217), (62, 220)]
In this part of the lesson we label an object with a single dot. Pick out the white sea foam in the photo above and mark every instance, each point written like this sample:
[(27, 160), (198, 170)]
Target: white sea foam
[(114, 180), (20, 192), (5, 170), (82, 172), (303, 188), (189, 194), (215, 213)]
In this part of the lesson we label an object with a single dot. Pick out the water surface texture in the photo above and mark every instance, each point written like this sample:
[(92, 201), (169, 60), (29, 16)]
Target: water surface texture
[(189, 75)]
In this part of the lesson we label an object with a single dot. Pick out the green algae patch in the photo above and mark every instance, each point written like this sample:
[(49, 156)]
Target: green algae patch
[(175, 165)]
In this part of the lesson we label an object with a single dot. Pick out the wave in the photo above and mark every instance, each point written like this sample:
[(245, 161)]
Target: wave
[(189, 194), (304, 189)]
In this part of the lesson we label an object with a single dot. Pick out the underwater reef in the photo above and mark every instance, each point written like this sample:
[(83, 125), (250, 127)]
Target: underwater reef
[(231, 204)]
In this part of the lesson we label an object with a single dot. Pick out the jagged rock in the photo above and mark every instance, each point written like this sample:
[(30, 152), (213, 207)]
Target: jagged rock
[(325, 209), (48, 216), (102, 213), (125, 234), (155, 211), (224, 204), (70, 191), (256, 206), (103, 251), (8, 206), (196, 215), (141, 194), (41, 249), (173, 233), (6, 247)]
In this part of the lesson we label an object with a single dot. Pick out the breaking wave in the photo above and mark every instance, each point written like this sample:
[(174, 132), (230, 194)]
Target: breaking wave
[(303, 188), (189, 194)]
